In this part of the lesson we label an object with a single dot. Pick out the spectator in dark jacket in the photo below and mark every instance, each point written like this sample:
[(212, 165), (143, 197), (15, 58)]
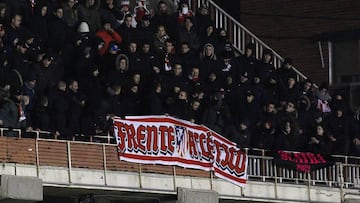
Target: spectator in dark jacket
[(47, 74), (89, 12), (126, 31), (186, 57), (181, 108), (71, 13), (155, 100), (29, 90), (264, 136), (59, 32), (290, 92), (240, 134), (286, 138), (59, 106), (42, 116), (39, 24), (265, 69), (208, 61), (247, 62), (249, 109), (77, 102), (338, 126), (319, 141), (148, 59), (188, 34), (217, 115), (20, 60), (133, 105), (164, 18), (144, 30), (286, 71), (120, 75), (12, 111), (14, 32), (111, 13)]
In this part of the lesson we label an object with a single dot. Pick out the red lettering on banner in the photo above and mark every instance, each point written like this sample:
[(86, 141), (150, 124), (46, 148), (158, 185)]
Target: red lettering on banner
[(171, 140), (192, 144), (121, 136), (225, 161), (152, 141), (204, 153), (312, 158), (210, 146), (130, 131), (231, 159), (303, 167), (140, 136), (299, 158), (163, 144), (240, 162), (217, 151), (321, 159), (285, 156)]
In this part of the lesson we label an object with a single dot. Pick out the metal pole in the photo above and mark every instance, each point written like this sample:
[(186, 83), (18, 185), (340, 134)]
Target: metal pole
[(331, 66), (69, 159), (104, 161), (37, 157)]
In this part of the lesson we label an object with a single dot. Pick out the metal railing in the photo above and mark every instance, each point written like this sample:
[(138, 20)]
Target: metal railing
[(101, 138), (345, 173), (239, 35)]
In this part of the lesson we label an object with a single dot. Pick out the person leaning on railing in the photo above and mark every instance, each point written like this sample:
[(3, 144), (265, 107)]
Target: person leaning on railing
[(12, 114)]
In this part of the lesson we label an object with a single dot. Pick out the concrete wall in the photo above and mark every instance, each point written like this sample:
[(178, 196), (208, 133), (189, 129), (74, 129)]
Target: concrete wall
[(20, 189), (197, 196), (287, 26)]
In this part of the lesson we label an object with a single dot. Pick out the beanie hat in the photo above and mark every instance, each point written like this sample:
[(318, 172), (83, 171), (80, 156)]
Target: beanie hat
[(125, 3), (83, 28)]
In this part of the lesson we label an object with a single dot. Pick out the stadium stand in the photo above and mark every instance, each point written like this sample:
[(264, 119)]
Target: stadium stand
[(68, 67)]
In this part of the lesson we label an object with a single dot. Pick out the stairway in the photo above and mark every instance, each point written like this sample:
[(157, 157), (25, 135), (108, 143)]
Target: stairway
[(239, 35)]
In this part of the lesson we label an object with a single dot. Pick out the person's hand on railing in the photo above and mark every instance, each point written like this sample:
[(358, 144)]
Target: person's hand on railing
[(356, 141), (313, 140), (29, 129)]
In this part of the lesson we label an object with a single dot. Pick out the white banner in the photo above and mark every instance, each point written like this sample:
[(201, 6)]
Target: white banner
[(170, 141)]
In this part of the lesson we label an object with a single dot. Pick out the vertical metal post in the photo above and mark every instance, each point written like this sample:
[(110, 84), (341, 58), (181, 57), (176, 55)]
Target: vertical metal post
[(309, 186), (37, 157), (321, 55), (341, 181), (140, 174), (104, 162), (174, 177), (331, 65), (276, 182), (69, 160), (211, 180)]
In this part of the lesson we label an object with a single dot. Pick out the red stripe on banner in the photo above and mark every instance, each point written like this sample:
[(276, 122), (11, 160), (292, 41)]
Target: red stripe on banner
[(169, 120), (222, 139), (216, 147), (229, 176), (176, 122), (164, 158)]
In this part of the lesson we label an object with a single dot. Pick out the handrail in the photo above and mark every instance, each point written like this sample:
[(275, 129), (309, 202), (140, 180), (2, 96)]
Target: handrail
[(240, 34), (261, 167)]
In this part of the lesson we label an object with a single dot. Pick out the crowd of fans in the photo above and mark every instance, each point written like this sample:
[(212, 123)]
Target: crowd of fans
[(67, 67)]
